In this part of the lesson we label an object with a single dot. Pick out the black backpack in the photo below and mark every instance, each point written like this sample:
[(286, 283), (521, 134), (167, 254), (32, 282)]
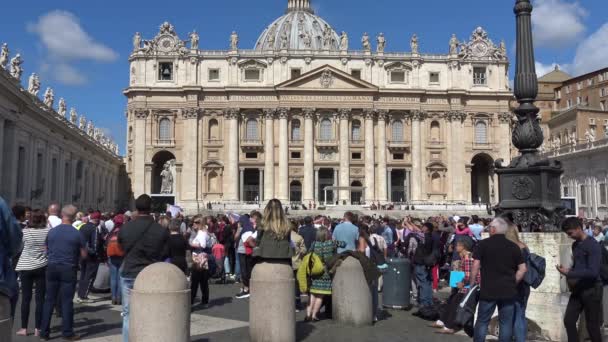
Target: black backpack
[(375, 254), (604, 266)]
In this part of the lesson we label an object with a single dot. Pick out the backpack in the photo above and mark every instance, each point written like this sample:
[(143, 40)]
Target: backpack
[(536, 270), (375, 254), (113, 247)]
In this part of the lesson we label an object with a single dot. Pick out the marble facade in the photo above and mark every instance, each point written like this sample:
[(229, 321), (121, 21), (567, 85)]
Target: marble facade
[(302, 117)]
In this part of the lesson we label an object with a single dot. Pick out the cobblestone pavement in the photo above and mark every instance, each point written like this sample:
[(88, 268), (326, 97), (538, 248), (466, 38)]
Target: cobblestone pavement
[(226, 319)]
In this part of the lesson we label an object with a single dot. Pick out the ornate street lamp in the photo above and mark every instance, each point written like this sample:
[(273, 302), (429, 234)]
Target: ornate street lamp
[(529, 187)]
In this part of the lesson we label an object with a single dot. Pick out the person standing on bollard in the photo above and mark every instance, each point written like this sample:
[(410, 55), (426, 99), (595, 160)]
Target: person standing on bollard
[(143, 242), (10, 245), (273, 242), (65, 248)]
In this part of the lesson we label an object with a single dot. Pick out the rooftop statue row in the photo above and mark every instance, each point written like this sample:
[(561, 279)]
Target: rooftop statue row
[(167, 42), (33, 88)]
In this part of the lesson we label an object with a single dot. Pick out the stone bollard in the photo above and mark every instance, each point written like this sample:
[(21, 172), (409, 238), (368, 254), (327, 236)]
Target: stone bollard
[(160, 305), (272, 307), (6, 324), (351, 296)]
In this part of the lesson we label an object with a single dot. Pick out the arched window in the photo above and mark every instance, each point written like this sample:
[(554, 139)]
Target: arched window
[(481, 132), (252, 130), (295, 130), (214, 130), (326, 133), (355, 134), (164, 129), (212, 182), (435, 131), (130, 132), (436, 182), (397, 133)]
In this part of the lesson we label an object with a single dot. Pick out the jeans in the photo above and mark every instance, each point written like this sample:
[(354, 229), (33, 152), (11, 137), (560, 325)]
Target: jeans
[(246, 262), (199, 278), (374, 289), (127, 286), (520, 323), (227, 269), (114, 264), (88, 272), (29, 279), (237, 266), (506, 311), (60, 283), (589, 301), (425, 285)]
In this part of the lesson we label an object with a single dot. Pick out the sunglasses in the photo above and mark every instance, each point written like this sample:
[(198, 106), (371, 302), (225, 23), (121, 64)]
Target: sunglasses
[(198, 222)]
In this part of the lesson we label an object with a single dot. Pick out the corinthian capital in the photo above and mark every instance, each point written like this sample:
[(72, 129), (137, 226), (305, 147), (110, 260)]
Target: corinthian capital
[(191, 113), (232, 113), (309, 113), (419, 115), (269, 113), (382, 114), (369, 113), (283, 112), (141, 113), (344, 113), (505, 117), (456, 116)]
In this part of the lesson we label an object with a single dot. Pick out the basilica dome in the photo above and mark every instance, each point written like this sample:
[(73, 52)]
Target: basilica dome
[(298, 29)]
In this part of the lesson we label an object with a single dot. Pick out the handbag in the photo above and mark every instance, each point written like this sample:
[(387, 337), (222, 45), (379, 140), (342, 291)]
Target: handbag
[(465, 312)]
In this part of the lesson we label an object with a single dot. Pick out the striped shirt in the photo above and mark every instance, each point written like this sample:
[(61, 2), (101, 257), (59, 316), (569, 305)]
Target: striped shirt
[(34, 254)]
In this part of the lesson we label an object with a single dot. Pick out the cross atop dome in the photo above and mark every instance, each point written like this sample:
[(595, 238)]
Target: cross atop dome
[(299, 5)]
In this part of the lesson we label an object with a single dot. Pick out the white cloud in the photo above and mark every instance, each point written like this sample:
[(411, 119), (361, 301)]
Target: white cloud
[(64, 38), (543, 69), (592, 53), (557, 23), (68, 75)]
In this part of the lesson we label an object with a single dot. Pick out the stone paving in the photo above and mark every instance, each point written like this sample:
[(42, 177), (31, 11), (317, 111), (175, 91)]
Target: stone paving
[(226, 319)]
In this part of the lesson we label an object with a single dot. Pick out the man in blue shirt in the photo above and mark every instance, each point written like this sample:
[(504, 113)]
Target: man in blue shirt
[(388, 235), (476, 228), (10, 245), (584, 281), (347, 232), (65, 248)]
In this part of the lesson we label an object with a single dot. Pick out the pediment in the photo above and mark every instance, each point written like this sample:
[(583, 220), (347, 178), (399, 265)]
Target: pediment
[(326, 77)]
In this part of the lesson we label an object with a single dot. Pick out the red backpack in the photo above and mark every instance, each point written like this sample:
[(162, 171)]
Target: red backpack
[(113, 247)]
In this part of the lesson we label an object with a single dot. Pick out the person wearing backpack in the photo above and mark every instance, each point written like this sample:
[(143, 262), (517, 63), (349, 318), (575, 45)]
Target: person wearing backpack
[(89, 265), (520, 323), (374, 247), (115, 256), (585, 282), (425, 258)]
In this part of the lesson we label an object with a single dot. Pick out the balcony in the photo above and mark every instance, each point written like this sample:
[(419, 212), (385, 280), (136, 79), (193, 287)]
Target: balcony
[(435, 144), (399, 145), (357, 142), (482, 146), (326, 144), (251, 145), (164, 143), (214, 142), (296, 142)]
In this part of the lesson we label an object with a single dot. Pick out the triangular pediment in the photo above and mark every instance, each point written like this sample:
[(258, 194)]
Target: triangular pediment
[(326, 77)]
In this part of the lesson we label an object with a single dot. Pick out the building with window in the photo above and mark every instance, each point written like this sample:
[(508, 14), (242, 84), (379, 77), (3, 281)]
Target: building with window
[(306, 118), (49, 154)]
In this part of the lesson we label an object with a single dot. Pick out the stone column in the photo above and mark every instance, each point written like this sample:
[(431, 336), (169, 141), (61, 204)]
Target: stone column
[(456, 152), (261, 186), (370, 176), (231, 173), (316, 186), (381, 143), (189, 192), (504, 120), (344, 154), (241, 184), (309, 185), (269, 155), (283, 195), (389, 184), (139, 154), (417, 169), (336, 194)]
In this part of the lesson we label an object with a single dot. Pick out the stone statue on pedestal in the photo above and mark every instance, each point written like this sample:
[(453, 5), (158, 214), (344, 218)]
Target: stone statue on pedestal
[(573, 141), (61, 109), (16, 69), (137, 42), (344, 42), (73, 116), (327, 37), (284, 41), (49, 97), (365, 42), (82, 123), (381, 43), (234, 41), (194, 39), (33, 84), (590, 136), (306, 39), (454, 45), (166, 176), (90, 129), (4, 56), (414, 44)]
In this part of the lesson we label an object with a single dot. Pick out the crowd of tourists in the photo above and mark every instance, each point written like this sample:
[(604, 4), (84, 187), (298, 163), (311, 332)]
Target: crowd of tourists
[(56, 255)]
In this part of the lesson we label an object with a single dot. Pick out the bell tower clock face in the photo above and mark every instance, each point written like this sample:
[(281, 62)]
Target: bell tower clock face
[(166, 44), (479, 49)]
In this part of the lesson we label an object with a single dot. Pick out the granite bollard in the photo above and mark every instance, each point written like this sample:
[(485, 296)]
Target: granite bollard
[(351, 296), (160, 305), (6, 324), (272, 307)]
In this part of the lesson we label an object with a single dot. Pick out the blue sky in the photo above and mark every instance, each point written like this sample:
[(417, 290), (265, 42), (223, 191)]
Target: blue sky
[(80, 48)]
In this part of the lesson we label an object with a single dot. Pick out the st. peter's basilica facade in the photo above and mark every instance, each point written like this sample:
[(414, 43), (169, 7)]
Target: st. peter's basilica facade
[(308, 117)]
